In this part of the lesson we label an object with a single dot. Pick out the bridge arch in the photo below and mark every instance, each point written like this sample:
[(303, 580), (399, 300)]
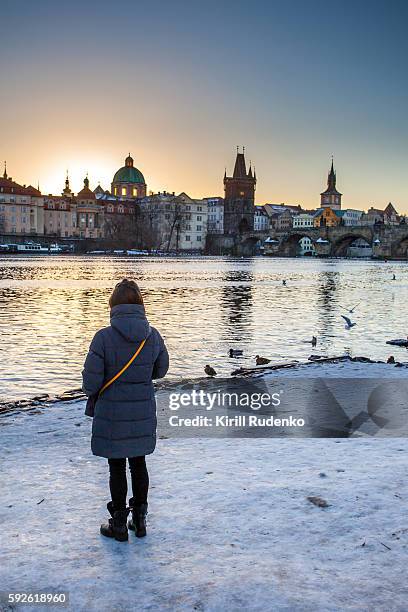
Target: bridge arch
[(400, 246), (341, 245), (290, 243)]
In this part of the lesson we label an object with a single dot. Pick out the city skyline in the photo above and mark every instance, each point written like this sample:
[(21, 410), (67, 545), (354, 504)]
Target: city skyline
[(76, 183), (180, 86)]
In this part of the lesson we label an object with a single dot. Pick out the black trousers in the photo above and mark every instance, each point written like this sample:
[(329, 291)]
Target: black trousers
[(118, 481)]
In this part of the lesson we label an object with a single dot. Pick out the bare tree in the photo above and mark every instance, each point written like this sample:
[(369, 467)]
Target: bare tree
[(149, 228), (177, 223), (121, 229)]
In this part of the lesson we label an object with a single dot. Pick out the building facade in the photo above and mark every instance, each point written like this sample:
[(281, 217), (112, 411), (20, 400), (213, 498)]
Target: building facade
[(174, 222), (388, 216), (215, 223), (60, 217), (306, 247), (284, 221), (261, 219), (90, 213), (303, 220), (352, 216), (327, 217), (70, 216), (21, 208)]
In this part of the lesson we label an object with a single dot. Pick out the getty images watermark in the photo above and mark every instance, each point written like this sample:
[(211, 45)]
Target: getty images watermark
[(230, 401), (295, 406)]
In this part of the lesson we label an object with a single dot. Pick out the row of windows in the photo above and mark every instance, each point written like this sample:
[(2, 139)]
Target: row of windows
[(24, 209), (23, 200), (61, 206), (111, 209), (188, 238), (125, 191)]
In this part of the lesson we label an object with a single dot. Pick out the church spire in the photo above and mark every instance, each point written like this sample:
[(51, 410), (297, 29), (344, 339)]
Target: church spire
[(5, 170), (331, 198), (331, 179), (240, 166), (67, 190)]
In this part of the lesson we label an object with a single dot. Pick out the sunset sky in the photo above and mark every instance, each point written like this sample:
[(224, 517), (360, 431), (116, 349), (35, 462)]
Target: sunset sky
[(181, 84)]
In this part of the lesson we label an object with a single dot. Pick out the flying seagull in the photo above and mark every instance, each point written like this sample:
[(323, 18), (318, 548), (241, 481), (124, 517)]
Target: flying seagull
[(349, 324), (351, 310)]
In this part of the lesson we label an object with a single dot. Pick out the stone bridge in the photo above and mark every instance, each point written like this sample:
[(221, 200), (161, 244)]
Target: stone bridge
[(385, 240)]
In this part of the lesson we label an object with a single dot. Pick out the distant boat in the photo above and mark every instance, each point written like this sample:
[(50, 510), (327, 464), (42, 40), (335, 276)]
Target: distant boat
[(136, 252), (31, 247), (37, 248), (55, 248)]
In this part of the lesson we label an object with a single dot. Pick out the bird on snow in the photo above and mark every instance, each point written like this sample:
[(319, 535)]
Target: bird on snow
[(351, 310), (235, 352), (394, 277), (210, 371), (314, 340), (284, 283), (261, 360), (349, 324)]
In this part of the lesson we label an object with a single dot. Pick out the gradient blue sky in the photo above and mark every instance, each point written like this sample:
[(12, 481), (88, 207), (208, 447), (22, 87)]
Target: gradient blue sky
[(180, 84)]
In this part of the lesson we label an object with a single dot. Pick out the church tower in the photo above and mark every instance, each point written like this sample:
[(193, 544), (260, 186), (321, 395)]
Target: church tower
[(331, 198), (67, 191), (239, 198)]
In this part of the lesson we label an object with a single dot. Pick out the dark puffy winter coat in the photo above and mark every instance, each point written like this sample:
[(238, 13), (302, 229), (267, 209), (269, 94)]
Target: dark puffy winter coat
[(124, 423)]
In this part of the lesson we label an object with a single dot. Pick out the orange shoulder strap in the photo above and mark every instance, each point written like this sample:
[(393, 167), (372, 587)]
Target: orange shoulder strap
[(125, 367)]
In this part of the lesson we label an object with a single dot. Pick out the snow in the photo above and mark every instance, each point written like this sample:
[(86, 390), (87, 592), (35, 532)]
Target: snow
[(230, 526), (342, 369)]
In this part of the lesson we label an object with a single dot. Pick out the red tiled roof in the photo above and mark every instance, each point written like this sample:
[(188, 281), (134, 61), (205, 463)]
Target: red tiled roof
[(33, 191), (86, 194), (9, 186)]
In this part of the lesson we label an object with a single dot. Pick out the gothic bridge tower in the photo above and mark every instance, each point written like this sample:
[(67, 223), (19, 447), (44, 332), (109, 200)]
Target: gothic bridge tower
[(331, 198), (239, 198)]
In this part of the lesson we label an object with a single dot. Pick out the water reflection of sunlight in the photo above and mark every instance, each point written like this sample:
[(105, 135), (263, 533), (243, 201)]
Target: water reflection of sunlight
[(50, 307)]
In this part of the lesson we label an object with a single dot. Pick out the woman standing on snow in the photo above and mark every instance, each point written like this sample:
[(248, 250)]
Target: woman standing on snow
[(122, 361)]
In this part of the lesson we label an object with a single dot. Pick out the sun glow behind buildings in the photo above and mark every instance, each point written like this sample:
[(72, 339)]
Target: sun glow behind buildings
[(99, 171), (180, 89)]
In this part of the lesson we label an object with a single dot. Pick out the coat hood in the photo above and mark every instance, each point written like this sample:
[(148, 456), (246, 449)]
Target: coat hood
[(129, 320)]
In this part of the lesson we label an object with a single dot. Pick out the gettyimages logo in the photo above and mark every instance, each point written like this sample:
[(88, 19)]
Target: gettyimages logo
[(232, 402), (230, 399), (285, 407)]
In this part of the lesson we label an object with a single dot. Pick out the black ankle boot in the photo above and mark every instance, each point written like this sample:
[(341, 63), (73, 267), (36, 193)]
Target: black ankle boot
[(138, 521), (116, 527)]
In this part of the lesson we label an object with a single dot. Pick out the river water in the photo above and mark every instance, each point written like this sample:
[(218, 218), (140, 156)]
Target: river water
[(52, 305)]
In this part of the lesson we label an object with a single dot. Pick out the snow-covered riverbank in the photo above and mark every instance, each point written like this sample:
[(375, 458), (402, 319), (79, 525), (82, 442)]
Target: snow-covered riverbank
[(230, 526)]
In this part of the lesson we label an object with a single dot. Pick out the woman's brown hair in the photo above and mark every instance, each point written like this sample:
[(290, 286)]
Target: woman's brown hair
[(126, 292)]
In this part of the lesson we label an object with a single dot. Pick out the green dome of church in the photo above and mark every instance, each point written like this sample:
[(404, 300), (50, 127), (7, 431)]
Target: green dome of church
[(128, 173)]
